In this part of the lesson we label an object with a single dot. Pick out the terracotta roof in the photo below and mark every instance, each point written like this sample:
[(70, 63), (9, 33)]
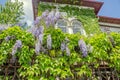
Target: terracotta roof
[(92, 3), (109, 19)]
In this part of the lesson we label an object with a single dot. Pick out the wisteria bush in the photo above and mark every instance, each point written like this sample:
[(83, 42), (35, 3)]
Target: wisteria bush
[(45, 53)]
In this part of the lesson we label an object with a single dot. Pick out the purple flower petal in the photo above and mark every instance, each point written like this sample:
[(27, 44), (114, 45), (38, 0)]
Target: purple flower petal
[(17, 46), (36, 21), (57, 14), (44, 14), (47, 23), (83, 47), (41, 29), (40, 38), (62, 46), (51, 15), (7, 38), (67, 51), (37, 48), (18, 43), (2, 28)]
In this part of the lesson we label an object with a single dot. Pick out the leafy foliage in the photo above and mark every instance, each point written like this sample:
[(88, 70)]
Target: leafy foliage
[(53, 63), (11, 13), (6, 46), (85, 15)]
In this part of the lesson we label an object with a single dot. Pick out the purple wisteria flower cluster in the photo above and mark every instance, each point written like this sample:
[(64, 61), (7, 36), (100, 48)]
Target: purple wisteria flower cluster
[(38, 33), (64, 47), (1, 29), (83, 47), (67, 51), (49, 18), (17, 46), (9, 38), (37, 47)]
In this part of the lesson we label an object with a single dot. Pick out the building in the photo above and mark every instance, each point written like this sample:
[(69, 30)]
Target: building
[(106, 23)]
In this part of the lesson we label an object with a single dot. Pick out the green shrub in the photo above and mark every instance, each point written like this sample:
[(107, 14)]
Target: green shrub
[(55, 63), (6, 46), (11, 13)]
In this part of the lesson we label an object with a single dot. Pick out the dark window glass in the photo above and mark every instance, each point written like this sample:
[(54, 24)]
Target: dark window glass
[(76, 26), (62, 24)]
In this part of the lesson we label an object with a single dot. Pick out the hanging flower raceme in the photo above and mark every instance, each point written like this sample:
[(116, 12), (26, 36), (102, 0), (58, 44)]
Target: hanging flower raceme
[(37, 47), (83, 47), (67, 51), (48, 17), (41, 29), (52, 17), (9, 38), (36, 31), (36, 21), (40, 38), (18, 45), (1, 29), (63, 46), (49, 20), (42, 17), (49, 42), (45, 14), (39, 35), (57, 15)]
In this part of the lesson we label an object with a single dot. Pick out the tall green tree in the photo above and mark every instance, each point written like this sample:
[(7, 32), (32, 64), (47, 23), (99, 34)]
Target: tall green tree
[(11, 12)]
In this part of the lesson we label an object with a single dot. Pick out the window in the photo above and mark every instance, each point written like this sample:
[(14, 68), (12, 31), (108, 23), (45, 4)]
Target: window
[(76, 26), (70, 25), (62, 24)]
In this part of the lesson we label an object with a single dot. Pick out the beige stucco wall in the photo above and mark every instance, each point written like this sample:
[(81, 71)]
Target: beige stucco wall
[(28, 10), (110, 27)]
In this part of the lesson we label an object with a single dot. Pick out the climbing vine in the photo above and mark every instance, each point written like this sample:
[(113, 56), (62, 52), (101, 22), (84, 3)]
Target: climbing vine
[(85, 15)]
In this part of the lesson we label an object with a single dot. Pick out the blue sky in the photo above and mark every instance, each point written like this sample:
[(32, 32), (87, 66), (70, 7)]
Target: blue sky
[(110, 8), (2, 1)]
